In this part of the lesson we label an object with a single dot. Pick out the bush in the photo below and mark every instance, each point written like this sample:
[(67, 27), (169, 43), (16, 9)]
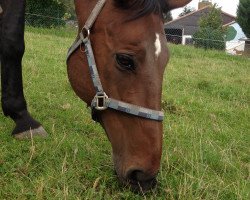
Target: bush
[(209, 38), (45, 13), (243, 16), (210, 34)]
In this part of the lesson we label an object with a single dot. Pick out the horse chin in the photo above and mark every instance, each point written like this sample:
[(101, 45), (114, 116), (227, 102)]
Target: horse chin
[(143, 187), (140, 187)]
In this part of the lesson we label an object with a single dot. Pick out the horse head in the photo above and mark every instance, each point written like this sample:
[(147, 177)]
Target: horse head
[(129, 47)]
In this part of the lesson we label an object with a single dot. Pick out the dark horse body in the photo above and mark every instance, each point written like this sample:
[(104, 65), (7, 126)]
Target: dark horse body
[(136, 142), (11, 52)]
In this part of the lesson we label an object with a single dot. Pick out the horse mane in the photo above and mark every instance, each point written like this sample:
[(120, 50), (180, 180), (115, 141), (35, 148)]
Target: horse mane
[(143, 7)]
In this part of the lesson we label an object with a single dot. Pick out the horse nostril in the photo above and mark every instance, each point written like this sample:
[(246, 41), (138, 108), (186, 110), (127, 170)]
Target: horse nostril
[(133, 175)]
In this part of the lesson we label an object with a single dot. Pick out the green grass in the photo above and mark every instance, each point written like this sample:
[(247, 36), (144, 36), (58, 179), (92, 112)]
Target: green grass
[(206, 97)]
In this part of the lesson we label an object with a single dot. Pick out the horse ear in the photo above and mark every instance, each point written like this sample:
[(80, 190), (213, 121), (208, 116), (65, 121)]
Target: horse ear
[(172, 4)]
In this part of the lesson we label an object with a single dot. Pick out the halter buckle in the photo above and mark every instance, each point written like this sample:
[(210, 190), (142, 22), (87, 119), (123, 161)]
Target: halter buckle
[(100, 101)]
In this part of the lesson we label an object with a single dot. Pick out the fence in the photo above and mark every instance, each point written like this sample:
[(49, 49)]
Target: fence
[(44, 21), (233, 47), (232, 44), (175, 36)]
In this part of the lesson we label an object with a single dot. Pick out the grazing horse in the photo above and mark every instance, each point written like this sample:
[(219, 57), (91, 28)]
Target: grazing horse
[(116, 66)]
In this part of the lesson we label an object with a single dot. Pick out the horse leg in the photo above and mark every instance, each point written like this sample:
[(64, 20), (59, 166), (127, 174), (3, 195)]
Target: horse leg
[(11, 53)]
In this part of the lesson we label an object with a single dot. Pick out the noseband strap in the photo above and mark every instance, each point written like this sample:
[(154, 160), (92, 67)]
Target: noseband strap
[(101, 101)]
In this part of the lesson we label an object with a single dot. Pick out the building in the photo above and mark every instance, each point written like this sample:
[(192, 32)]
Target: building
[(235, 43), (181, 30)]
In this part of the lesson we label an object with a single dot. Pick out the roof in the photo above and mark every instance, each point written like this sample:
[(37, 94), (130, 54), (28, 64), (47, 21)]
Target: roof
[(230, 23), (190, 21)]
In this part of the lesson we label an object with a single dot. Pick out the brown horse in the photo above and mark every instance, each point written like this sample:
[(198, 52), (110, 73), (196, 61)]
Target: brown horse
[(130, 51)]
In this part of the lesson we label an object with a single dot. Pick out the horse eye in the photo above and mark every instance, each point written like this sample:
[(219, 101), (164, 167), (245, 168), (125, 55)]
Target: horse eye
[(125, 62)]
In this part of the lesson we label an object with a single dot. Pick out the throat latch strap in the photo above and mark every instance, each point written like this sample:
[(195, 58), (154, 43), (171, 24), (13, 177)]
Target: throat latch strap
[(101, 101)]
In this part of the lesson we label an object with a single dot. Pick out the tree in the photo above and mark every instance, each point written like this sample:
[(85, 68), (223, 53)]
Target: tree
[(211, 34), (168, 17), (70, 8), (243, 16), (45, 13), (186, 10)]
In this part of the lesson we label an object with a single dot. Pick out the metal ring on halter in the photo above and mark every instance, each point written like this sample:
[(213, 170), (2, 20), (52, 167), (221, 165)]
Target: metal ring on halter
[(84, 34)]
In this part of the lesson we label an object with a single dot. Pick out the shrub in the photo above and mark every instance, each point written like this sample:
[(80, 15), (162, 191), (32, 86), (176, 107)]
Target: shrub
[(210, 34), (209, 38), (45, 13)]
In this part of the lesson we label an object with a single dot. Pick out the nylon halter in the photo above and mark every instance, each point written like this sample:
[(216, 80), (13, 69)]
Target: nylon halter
[(101, 101)]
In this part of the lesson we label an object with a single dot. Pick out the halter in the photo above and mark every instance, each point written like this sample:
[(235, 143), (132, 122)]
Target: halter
[(101, 101)]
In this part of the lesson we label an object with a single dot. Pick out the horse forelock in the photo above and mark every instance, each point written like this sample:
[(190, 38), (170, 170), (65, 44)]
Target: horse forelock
[(143, 7)]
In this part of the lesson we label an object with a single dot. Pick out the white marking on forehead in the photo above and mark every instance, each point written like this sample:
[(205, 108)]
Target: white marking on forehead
[(157, 45)]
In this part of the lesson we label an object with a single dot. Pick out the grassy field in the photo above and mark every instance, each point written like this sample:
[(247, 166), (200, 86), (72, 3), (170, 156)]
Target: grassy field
[(206, 154)]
